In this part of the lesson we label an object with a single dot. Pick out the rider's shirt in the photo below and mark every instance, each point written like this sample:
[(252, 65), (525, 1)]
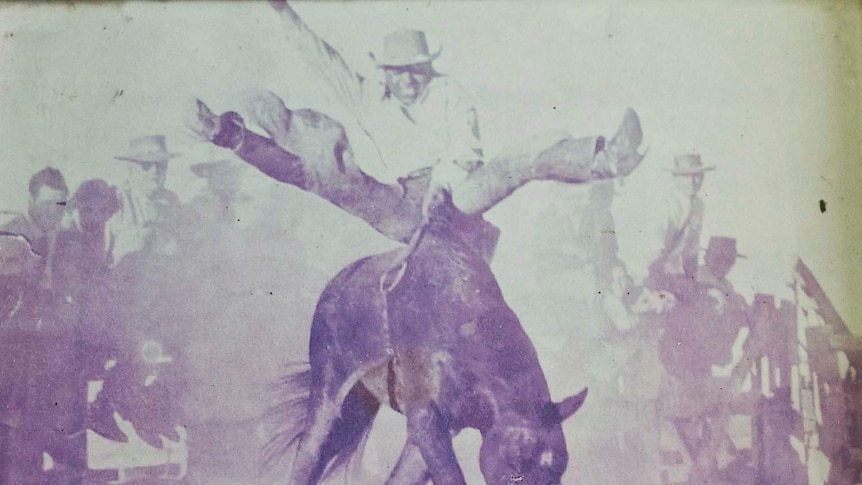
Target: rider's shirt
[(439, 127)]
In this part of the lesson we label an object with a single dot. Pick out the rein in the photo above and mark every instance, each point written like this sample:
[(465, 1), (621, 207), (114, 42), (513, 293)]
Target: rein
[(399, 266)]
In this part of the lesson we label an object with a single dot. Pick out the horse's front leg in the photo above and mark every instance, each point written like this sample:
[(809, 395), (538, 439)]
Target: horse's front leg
[(427, 430), (410, 469)]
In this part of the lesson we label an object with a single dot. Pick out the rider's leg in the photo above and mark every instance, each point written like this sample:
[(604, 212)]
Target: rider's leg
[(570, 160), (310, 151)]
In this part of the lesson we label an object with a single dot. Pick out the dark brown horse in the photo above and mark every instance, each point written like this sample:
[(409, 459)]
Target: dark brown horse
[(425, 330)]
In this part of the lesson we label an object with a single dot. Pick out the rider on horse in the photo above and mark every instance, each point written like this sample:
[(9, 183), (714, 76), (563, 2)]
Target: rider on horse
[(369, 346)]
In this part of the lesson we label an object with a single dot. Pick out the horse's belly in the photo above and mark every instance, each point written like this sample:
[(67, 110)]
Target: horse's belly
[(416, 377)]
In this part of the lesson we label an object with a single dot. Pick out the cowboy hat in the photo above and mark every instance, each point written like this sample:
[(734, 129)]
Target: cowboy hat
[(405, 48), (148, 149), (724, 245), (689, 164)]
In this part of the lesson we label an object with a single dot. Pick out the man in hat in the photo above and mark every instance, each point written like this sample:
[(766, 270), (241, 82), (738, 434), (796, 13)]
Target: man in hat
[(417, 117), (425, 132), (147, 207), (696, 348), (681, 230), (718, 260), (422, 126), (224, 181)]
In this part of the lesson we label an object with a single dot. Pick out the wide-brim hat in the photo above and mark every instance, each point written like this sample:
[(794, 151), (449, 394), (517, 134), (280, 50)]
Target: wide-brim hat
[(405, 48), (724, 245), (689, 164), (148, 149), (207, 169)]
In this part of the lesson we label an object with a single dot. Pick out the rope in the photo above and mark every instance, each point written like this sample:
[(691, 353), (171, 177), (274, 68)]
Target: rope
[(400, 263)]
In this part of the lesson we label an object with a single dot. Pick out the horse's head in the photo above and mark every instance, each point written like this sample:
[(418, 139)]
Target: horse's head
[(529, 452)]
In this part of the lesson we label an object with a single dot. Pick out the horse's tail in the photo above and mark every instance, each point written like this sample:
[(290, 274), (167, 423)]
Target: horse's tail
[(290, 420), (287, 418)]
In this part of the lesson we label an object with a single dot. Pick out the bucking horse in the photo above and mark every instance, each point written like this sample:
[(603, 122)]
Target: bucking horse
[(423, 329)]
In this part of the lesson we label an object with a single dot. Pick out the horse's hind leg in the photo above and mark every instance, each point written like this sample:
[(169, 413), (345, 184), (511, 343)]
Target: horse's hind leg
[(410, 469)]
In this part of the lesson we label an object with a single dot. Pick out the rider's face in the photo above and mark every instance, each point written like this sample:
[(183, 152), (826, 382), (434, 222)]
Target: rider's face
[(408, 83)]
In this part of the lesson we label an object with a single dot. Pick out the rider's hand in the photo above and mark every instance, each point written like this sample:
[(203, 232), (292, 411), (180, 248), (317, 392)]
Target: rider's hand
[(227, 130)]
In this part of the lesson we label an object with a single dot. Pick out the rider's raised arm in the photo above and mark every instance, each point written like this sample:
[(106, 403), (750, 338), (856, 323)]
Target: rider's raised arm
[(327, 62)]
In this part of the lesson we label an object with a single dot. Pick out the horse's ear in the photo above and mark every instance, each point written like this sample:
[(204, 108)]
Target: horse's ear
[(568, 406)]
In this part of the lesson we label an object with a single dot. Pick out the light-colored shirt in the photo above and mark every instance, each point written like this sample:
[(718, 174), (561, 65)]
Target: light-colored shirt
[(441, 126), (681, 233), (133, 227)]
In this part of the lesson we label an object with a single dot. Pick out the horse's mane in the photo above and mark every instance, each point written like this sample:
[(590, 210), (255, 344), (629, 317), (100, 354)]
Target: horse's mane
[(287, 420)]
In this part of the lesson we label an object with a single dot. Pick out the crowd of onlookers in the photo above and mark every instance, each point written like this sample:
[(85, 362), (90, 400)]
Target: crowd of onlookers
[(675, 359), (105, 285)]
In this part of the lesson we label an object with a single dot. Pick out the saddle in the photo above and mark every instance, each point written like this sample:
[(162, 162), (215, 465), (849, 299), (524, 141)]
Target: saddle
[(473, 230)]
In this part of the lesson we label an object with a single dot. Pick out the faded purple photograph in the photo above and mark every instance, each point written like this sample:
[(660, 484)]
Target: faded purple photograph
[(498, 243)]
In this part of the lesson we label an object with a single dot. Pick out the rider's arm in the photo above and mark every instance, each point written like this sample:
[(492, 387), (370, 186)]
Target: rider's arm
[(465, 143), (322, 58)]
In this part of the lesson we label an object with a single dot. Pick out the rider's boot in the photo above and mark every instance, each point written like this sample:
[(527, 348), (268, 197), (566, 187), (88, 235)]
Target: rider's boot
[(570, 160), (577, 160)]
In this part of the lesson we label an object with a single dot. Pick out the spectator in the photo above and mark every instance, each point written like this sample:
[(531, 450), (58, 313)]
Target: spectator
[(699, 335), (148, 209), (681, 230)]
